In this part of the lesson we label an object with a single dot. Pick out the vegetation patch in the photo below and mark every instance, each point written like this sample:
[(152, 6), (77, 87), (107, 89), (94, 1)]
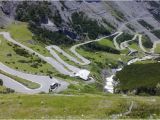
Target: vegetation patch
[(85, 106), (19, 31), (139, 77), (104, 45), (38, 13), (106, 42), (20, 59), (82, 24), (146, 41), (102, 59), (146, 25), (131, 27), (124, 37), (135, 46), (109, 24), (48, 37), (57, 18), (4, 90)]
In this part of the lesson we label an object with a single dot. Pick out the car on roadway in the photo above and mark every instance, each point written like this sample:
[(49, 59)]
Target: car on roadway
[(53, 86)]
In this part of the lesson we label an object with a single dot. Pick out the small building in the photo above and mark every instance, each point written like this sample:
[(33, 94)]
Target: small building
[(83, 74)]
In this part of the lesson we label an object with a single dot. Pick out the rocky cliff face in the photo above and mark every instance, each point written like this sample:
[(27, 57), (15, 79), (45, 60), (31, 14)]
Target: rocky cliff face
[(112, 15)]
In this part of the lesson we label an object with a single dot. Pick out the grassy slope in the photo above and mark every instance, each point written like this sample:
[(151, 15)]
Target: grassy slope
[(135, 46), (12, 61), (20, 32), (134, 76), (102, 57), (106, 42), (82, 106)]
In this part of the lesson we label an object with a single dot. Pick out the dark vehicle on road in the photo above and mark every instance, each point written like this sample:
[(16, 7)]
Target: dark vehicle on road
[(54, 86)]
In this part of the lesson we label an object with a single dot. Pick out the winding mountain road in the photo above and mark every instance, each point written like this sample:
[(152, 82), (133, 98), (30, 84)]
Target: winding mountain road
[(73, 50), (86, 61), (59, 67), (115, 40), (44, 81), (55, 55), (58, 63), (124, 44)]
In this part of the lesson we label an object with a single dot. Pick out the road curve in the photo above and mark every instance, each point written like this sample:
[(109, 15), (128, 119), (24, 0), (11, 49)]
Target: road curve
[(44, 81), (124, 44), (58, 63), (67, 55), (86, 61), (72, 68), (59, 67), (115, 40), (73, 50), (140, 43)]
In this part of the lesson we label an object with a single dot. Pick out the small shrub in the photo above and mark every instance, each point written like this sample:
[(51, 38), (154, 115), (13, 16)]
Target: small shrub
[(1, 82)]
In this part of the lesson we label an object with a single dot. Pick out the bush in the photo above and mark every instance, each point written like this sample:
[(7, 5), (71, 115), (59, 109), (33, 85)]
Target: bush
[(147, 42), (21, 52), (4, 90), (34, 65), (9, 55), (1, 82), (158, 89)]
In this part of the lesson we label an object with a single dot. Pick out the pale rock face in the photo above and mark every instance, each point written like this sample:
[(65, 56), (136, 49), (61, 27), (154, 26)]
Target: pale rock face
[(99, 11)]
